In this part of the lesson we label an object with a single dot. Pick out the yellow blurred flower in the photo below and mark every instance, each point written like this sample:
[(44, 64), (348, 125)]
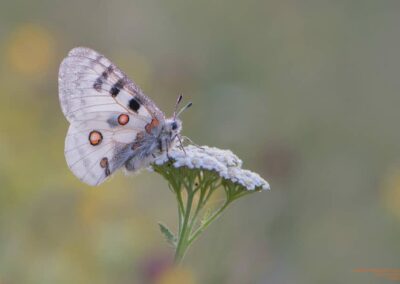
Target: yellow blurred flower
[(176, 275), (30, 49), (90, 204), (391, 193)]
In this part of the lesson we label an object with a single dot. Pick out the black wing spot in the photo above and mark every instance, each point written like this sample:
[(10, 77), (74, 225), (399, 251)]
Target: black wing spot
[(107, 72), (114, 91), (116, 88), (104, 162), (97, 84), (106, 166), (134, 105), (99, 81)]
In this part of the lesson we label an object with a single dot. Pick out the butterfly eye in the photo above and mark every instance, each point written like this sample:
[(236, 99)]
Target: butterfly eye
[(123, 119), (174, 125), (95, 137)]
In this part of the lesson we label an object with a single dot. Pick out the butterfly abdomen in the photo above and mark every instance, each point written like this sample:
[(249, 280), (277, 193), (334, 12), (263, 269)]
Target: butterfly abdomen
[(145, 149)]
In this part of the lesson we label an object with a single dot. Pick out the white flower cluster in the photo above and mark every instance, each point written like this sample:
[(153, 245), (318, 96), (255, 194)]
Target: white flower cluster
[(224, 162)]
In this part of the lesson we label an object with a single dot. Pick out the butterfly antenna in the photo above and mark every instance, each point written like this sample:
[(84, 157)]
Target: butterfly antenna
[(176, 105), (184, 108)]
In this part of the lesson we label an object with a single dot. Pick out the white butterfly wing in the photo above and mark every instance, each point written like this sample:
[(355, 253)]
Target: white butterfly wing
[(91, 160), (89, 82), (107, 112)]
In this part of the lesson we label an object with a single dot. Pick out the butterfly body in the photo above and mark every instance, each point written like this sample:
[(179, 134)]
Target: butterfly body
[(157, 142), (112, 123)]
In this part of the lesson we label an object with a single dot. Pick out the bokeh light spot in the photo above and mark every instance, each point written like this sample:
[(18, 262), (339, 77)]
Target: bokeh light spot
[(30, 49), (391, 193), (176, 275)]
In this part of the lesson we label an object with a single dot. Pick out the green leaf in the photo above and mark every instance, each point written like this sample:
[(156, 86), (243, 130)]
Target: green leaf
[(169, 236)]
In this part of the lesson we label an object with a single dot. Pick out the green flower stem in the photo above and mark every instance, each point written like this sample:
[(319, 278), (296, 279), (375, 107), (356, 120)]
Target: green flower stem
[(193, 190), (199, 230), (184, 231), (202, 201), (187, 233)]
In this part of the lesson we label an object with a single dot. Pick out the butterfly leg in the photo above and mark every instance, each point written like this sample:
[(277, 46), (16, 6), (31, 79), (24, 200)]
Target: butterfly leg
[(180, 143), (168, 156)]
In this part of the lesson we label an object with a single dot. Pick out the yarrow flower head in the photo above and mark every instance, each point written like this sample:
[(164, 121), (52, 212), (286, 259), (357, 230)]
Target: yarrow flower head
[(223, 162), (194, 173)]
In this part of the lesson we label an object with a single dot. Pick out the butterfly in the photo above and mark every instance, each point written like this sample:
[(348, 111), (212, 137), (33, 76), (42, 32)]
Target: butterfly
[(112, 123)]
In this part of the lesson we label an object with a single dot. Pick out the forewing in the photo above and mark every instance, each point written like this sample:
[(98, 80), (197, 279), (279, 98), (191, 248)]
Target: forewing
[(90, 83)]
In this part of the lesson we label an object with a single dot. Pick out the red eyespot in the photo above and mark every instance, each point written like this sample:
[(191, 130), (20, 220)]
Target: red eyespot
[(123, 119), (95, 137), (154, 123)]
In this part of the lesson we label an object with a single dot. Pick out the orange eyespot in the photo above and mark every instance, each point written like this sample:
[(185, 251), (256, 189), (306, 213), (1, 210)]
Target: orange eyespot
[(154, 123), (95, 137), (123, 119)]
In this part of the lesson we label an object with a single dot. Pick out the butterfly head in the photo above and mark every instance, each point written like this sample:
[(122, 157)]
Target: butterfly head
[(173, 125)]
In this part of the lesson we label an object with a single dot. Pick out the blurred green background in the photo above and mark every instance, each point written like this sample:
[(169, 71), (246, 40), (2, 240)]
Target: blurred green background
[(305, 92)]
